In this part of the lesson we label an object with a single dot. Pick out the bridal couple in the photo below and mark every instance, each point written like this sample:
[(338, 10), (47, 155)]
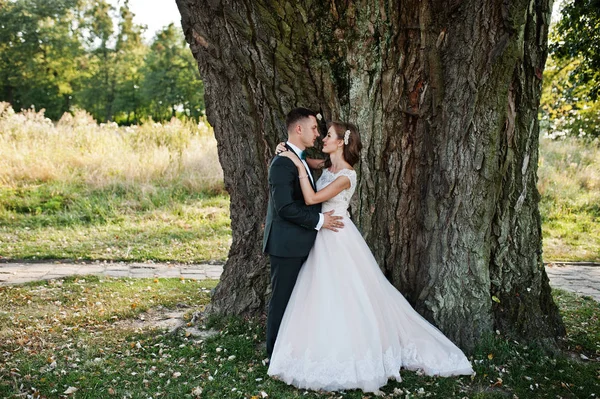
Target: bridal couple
[(334, 320)]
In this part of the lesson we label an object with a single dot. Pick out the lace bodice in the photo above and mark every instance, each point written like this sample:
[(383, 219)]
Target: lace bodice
[(341, 201)]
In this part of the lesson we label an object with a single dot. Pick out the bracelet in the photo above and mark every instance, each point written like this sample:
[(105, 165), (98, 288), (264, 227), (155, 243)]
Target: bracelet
[(303, 177)]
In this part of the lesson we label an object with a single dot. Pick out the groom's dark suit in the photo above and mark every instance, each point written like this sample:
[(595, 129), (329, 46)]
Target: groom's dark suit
[(289, 235)]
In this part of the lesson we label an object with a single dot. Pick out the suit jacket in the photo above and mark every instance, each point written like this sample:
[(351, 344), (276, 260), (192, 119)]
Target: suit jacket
[(290, 225)]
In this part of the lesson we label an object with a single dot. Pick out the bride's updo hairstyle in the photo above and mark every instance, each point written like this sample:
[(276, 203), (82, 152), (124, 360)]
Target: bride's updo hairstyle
[(352, 145)]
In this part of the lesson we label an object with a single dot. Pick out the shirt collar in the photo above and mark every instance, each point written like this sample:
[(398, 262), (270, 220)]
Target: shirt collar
[(296, 149)]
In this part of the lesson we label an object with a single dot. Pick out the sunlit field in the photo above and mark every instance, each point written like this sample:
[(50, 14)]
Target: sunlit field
[(77, 151), (80, 190)]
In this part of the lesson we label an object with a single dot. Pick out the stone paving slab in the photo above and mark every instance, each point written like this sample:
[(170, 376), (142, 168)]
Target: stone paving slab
[(19, 273), (582, 278)]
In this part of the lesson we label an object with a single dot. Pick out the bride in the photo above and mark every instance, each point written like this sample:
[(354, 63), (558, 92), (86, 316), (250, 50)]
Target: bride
[(346, 326)]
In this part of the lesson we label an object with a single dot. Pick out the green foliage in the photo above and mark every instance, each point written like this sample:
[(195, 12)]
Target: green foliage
[(63, 55), (570, 105), (566, 107), (172, 82), (577, 36), (40, 53), (130, 53)]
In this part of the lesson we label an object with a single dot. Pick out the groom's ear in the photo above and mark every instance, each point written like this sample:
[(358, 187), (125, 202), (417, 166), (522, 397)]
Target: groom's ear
[(297, 129)]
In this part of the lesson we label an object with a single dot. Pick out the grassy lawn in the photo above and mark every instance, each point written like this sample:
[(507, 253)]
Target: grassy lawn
[(134, 223), (92, 336), (569, 183)]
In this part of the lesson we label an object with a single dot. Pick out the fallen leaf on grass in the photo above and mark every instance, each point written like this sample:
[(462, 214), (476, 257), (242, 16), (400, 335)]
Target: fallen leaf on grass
[(70, 391)]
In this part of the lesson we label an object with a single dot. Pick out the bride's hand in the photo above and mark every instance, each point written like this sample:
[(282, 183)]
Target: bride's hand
[(280, 148), (293, 157)]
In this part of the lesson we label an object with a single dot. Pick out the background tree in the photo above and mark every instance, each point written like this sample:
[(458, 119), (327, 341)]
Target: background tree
[(130, 52), (445, 95), (172, 81), (567, 108), (570, 103), (98, 90), (66, 54), (40, 53), (577, 36)]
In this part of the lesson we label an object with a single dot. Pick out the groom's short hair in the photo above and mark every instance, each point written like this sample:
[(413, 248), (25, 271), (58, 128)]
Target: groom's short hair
[(296, 114)]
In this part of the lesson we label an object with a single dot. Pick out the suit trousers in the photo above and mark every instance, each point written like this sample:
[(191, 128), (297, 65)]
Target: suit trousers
[(284, 272)]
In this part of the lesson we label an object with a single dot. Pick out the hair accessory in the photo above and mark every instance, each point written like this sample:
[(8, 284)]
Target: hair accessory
[(346, 137), (319, 117)]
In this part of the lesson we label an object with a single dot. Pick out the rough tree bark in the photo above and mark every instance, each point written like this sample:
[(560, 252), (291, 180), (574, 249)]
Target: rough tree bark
[(445, 94)]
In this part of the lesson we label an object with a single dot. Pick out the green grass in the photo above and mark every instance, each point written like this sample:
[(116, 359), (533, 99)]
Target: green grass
[(569, 183), (130, 223), (80, 333)]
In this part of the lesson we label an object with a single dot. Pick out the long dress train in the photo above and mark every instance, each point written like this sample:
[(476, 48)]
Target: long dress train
[(346, 326)]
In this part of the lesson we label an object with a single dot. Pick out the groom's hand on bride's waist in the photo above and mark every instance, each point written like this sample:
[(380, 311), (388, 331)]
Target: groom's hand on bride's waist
[(333, 223)]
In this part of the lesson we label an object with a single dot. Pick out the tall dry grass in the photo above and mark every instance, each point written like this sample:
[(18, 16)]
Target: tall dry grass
[(76, 150)]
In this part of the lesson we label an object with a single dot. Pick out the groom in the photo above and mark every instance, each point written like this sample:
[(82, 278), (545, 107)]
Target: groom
[(291, 226)]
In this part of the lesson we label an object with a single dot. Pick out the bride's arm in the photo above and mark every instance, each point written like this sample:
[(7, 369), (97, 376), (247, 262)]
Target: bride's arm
[(310, 197)]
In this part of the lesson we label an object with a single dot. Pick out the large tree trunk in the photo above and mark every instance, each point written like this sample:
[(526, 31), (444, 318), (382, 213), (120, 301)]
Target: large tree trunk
[(445, 95)]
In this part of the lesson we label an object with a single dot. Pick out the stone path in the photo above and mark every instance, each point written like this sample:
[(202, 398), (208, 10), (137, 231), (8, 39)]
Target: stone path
[(18, 273), (581, 278)]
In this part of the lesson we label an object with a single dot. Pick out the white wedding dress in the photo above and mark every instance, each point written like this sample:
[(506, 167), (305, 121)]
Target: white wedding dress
[(346, 326)]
